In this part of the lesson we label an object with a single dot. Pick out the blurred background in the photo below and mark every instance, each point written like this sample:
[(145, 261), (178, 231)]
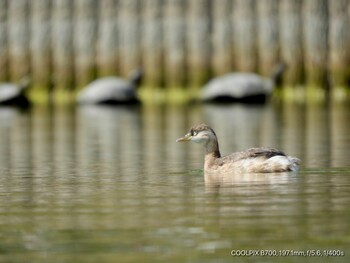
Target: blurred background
[(64, 44)]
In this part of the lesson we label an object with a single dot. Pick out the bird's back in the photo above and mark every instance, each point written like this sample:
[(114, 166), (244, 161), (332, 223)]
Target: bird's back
[(237, 85), (108, 88), (257, 160), (8, 91)]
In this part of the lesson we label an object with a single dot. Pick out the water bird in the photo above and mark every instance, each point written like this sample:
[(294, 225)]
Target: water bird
[(253, 160), (14, 94), (112, 90), (242, 86)]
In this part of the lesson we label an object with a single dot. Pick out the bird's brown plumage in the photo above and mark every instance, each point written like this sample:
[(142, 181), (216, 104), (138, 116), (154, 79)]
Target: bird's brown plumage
[(261, 159)]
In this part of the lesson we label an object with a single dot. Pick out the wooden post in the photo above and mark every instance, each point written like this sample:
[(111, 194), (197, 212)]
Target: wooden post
[(199, 43), (339, 42), (315, 19), (85, 33), (222, 37), (129, 35), (175, 44), (18, 26), (268, 37), (153, 43), (41, 47), (3, 41), (107, 41), (62, 46), (244, 28), (291, 41)]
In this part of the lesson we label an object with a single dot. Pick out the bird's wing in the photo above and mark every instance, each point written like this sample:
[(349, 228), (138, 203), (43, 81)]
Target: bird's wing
[(263, 152)]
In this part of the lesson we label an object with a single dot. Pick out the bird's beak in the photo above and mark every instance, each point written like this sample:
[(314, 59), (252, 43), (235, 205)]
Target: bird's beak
[(186, 138)]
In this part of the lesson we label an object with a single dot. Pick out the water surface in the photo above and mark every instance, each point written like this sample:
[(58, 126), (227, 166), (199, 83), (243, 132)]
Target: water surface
[(110, 184)]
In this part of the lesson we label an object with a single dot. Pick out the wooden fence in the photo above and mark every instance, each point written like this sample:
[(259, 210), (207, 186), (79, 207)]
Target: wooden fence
[(179, 43)]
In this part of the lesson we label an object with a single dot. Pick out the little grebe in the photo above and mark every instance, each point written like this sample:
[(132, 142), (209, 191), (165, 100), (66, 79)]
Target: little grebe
[(254, 160)]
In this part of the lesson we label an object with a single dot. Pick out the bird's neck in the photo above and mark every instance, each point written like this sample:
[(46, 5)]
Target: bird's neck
[(212, 149), (212, 152)]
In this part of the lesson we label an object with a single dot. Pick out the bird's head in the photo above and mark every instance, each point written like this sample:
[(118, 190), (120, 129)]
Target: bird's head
[(201, 133), (136, 76)]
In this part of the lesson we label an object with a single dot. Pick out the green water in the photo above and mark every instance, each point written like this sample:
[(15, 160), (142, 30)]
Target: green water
[(102, 184)]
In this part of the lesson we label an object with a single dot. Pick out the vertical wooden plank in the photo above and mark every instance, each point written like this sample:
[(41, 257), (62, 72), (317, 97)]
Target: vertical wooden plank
[(41, 45), (339, 42), (268, 37), (245, 39), (291, 40), (152, 51), (199, 44), (222, 37), (62, 45), (3, 41), (175, 44), (129, 35), (18, 26), (85, 34), (315, 19), (107, 41)]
